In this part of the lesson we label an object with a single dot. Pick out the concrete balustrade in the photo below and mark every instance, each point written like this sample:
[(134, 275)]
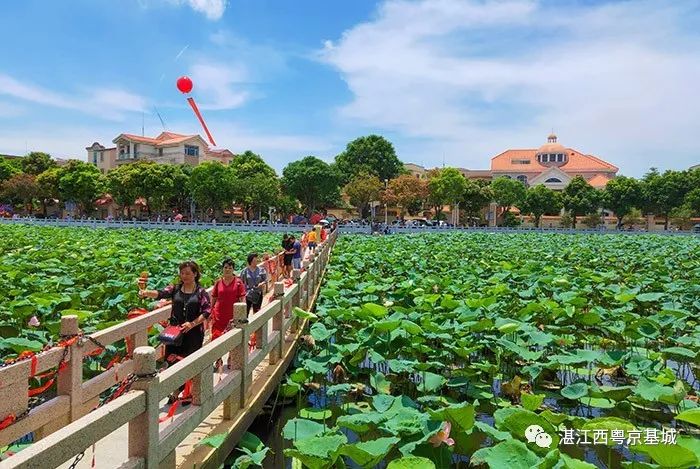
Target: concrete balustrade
[(228, 400)]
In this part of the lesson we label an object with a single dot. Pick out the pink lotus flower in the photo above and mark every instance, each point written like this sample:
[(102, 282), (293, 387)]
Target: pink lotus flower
[(34, 322), (442, 436)]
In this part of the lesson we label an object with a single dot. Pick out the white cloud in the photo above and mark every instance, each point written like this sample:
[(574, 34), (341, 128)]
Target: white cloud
[(28, 92), (61, 141), (212, 9), (107, 103), (221, 85), (469, 79)]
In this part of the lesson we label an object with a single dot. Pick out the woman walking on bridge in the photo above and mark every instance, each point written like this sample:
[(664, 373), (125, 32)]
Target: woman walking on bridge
[(227, 291), (253, 278), (191, 306)]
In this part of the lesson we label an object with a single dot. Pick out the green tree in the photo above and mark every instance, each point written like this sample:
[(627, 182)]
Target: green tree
[(156, 185), (21, 188), (540, 200), (81, 183), (48, 183), (580, 198), (592, 220), (661, 193), (123, 185), (249, 164), (180, 174), (634, 217), (363, 189), (211, 184), (257, 193), (37, 162), (508, 193), (692, 200), (445, 186), (286, 205), (407, 193), (372, 154), (682, 217), (477, 196), (566, 220), (621, 195), (7, 169), (311, 181)]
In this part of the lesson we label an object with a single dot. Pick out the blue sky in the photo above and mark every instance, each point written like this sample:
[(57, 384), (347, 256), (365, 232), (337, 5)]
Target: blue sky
[(452, 80)]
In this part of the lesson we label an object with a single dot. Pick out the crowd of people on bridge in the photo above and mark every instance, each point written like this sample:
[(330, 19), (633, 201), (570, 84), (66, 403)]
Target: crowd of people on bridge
[(194, 310)]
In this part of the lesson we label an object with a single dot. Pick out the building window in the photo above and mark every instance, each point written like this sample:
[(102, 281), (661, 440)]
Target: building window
[(553, 180), (520, 161), (102, 158), (160, 152), (94, 157), (191, 150)]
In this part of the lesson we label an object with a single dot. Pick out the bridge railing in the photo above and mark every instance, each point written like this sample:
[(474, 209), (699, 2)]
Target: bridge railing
[(67, 425), (160, 225)]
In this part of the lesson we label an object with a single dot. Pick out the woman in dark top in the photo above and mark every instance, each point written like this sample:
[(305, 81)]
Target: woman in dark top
[(287, 243), (191, 306)]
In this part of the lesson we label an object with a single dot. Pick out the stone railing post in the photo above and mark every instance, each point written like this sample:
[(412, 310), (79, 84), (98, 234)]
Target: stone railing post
[(143, 430), (203, 386), (296, 298), (262, 335), (238, 360), (277, 321), (309, 281), (235, 357), (70, 380)]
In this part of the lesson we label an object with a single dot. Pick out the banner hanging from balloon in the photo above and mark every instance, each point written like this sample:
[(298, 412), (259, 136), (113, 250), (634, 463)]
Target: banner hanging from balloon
[(185, 85)]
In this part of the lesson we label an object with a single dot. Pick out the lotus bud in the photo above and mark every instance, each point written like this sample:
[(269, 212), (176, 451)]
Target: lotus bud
[(34, 322)]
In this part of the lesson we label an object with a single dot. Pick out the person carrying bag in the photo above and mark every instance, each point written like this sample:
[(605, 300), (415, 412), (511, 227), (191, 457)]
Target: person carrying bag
[(254, 277)]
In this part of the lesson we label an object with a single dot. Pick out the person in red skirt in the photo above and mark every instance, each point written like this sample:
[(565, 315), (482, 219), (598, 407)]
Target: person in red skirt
[(227, 290)]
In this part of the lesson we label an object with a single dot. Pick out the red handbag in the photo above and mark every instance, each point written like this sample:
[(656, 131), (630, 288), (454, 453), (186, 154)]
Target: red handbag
[(171, 335)]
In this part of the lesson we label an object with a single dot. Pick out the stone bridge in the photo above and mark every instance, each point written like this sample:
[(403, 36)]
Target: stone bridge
[(127, 432)]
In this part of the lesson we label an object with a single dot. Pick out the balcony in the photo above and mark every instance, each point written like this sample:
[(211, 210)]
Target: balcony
[(130, 157)]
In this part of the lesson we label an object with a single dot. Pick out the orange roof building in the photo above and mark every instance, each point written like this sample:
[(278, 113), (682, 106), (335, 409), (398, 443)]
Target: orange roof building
[(166, 148), (553, 165)]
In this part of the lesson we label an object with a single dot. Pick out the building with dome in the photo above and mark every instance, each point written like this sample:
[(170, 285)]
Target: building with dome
[(553, 165)]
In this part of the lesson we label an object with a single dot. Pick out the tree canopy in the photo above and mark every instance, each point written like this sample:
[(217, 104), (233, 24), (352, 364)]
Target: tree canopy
[(312, 181), (580, 198), (508, 192), (372, 154)]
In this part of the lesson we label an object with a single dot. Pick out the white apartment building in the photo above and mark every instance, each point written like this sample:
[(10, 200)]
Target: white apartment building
[(166, 148)]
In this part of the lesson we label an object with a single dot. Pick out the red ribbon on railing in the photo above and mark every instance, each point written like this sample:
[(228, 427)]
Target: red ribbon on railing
[(42, 388), (7, 421), (113, 362), (32, 369)]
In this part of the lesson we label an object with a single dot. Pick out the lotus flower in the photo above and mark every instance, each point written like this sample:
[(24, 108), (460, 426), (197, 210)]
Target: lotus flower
[(442, 436), (34, 322)]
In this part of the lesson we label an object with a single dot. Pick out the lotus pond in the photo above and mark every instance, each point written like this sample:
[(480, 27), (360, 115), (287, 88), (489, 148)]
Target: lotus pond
[(440, 350), (48, 272)]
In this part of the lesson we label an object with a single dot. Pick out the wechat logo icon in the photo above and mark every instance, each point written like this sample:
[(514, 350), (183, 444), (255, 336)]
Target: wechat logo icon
[(536, 434)]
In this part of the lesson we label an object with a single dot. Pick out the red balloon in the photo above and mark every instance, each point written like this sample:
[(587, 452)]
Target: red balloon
[(184, 84)]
